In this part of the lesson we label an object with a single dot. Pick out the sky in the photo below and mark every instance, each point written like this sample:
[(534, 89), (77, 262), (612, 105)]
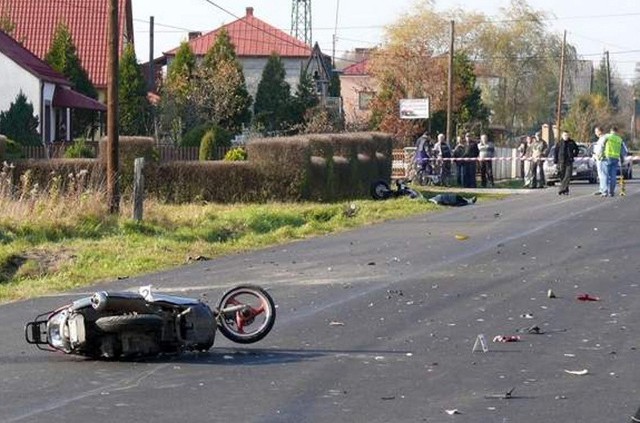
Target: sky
[(593, 26)]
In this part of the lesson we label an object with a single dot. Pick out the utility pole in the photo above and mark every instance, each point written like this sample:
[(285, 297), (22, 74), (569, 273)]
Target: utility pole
[(450, 84), (561, 87), (152, 70), (113, 191), (606, 53)]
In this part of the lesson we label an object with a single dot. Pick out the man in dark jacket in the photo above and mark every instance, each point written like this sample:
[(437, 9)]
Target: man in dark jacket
[(566, 150), (470, 152)]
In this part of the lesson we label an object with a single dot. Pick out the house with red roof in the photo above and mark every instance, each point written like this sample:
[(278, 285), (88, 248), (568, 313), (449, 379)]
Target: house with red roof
[(254, 41), (35, 23), (48, 91), (357, 88)]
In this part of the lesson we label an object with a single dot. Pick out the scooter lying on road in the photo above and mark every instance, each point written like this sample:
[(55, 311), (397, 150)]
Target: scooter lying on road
[(380, 190), (129, 324)]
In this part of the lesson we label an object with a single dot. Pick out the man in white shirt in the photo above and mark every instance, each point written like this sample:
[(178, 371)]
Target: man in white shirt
[(601, 164)]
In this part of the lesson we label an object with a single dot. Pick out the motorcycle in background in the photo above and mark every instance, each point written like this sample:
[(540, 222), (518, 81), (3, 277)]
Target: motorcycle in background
[(128, 324)]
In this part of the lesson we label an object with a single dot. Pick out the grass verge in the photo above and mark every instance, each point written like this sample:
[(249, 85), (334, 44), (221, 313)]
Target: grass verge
[(53, 244)]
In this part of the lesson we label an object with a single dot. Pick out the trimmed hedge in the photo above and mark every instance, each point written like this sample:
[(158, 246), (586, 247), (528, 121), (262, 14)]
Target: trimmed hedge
[(43, 172), (3, 147), (311, 167)]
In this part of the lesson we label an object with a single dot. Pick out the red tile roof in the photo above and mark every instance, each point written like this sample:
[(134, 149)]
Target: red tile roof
[(252, 37), (36, 22), (359, 68), (28, 61)]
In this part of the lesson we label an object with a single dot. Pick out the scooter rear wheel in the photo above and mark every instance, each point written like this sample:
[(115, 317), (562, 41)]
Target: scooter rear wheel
[(380, 190), (246, 314)]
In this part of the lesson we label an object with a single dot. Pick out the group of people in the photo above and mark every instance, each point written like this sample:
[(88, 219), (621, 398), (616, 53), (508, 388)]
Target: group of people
[(609, 152), (533, 151), (467, 155)]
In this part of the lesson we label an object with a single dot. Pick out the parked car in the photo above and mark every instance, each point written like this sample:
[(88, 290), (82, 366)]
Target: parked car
[(584, 167), (626, 167)]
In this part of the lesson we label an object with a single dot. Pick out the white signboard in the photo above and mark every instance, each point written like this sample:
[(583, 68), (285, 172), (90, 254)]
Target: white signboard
[(414, 108)]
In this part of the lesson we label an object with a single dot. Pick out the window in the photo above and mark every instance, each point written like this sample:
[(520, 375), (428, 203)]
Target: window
[(364, 99)]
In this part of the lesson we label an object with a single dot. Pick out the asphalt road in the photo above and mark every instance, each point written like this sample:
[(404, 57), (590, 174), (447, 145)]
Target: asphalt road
[(378, 325)]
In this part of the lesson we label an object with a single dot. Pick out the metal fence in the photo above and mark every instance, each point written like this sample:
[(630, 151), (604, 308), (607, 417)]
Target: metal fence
[(505, 163)]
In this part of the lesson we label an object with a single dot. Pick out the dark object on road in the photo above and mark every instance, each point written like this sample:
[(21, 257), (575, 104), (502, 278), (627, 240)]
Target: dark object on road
[(507, 395), (380, 190), (129, 324), (587, 297), (454, 200), (506, 338)]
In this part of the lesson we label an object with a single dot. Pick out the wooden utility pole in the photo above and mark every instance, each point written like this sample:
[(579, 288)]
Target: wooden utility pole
[(561, 86), (152, 68), (606, 53), (113, 191), (450, 84)]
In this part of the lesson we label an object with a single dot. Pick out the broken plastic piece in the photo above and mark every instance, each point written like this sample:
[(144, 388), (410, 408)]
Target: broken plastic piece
[(506, 338), (481, 343), (587, 297), (452, 412), (577, 372)]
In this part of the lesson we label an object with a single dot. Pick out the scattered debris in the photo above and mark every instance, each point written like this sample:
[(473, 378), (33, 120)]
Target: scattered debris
[(371, 263), (569, 355), (481, 343), (506, 338), (561, 397), (551, 294), (452, 412), (587, 297), (461, 237), (121, 278), (334, 323), (389, 398), (577, 372), (527, 316), (507, 395), (197, 258)]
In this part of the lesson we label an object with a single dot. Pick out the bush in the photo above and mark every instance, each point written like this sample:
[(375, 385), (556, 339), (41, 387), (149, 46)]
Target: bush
[(213, 142), (194, 136), (129, 148), (236, 155), (79, 150)]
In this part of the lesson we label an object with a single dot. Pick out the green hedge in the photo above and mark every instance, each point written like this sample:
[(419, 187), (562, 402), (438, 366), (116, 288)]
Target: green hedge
[(312, 167), (67, 171), (3, 147)]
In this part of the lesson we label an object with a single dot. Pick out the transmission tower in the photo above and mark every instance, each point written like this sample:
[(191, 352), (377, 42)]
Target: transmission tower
[(301, 20)]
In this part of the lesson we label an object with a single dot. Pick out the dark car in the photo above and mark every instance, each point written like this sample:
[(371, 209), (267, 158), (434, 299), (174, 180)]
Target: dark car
[(584, 167)]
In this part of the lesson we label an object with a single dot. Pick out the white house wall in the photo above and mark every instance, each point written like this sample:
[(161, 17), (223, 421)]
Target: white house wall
[(14, 79)]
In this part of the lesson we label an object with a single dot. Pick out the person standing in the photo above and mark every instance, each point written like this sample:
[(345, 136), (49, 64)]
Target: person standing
[(526, 158), (442, 151), (471, 153), (601, 165), (566, 150), (522, 150), (539, 149), (458, 153), (486, 153), (612, 155)]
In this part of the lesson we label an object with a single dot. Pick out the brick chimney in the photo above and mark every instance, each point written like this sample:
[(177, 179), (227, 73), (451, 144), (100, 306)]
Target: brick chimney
[(249, 11)]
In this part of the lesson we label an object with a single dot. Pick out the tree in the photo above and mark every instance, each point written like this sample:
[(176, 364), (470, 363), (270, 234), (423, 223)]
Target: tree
[(134, 108), (412, 63), (473, 113), (603, 78), (63, 58), (19, 123), (177, 109), (525, 57), (221, 94), (305, 98), (273, 97), (585, 113)]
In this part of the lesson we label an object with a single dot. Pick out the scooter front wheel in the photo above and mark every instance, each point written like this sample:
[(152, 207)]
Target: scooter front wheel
[(246, 314)]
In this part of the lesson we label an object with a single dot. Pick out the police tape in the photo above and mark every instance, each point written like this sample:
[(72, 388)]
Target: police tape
[(522, 159)]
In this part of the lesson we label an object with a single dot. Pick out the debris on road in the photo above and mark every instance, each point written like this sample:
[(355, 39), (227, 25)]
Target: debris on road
[(452, 411), (527, 316), (577, 372), (551, 294), (506, 338), (461, 237), (507, 395), (334, 323), (587, 297), (480, 344)]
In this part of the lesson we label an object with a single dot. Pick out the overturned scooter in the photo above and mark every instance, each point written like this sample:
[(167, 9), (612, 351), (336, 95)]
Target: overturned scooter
[(380, 190), (129, 324)]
